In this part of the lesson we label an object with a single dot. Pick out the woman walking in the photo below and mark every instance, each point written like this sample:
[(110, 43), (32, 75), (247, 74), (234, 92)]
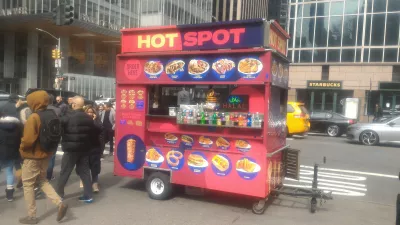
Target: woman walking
[(95, 152), (10, 139)]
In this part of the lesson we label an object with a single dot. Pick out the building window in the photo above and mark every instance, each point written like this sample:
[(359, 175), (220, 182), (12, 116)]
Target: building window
[(333, 55), (351, 6), (378, 29), (392, 29), (320, 55), (348, 55), (376, 55)]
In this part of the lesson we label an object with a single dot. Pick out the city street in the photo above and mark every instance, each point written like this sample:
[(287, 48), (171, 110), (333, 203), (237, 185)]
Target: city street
[(363, 179)]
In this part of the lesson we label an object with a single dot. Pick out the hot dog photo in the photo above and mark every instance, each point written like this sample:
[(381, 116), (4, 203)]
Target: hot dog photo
[(221, 164)]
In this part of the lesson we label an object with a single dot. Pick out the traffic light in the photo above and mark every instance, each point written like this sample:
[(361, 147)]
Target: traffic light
[(63, 14), (57, 16), (67, 14), (56, 54)]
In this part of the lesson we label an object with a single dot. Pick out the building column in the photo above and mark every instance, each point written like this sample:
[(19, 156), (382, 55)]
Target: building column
[(32, 60), (89, 57), (9, 55), (112, 53), (64, 54)]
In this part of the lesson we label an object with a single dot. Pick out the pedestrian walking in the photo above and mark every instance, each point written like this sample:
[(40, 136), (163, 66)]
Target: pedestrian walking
[(108, 120), (23, 112), (57, 111), (61, 105), (78, 129), (378, 113), (10, 139), (95, 151), (41, 134)]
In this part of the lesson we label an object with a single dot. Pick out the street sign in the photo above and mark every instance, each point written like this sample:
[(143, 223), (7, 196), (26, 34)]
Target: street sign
[(57, 63)]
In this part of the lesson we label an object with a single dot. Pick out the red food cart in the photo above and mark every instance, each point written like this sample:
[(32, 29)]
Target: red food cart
[(204, 106)]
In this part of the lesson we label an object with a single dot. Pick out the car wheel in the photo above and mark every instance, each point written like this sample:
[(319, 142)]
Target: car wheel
[(158, 186), (333, 131), (369, 137)]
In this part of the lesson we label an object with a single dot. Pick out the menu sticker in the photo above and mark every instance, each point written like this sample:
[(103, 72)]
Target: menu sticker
[(249, 67), (197, 162), (221, 165), (154, 157), (223, 68), (242, 145), (247, 168), (175, 159), (170, 138), (131, 152), (187, 140), (153, 68), (205, 141), (175, 68), (223, 143), (198, 68)]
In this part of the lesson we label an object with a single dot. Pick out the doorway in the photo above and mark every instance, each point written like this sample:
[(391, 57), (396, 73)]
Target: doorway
[(323, 100)]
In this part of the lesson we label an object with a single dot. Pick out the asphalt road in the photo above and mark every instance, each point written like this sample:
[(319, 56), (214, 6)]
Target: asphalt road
[(363, 179)]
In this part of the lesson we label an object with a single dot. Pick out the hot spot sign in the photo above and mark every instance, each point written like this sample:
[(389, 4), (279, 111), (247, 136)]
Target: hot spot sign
[(193, 37)]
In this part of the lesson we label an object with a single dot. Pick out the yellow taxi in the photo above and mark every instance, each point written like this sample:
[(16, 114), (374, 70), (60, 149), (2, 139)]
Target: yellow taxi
[(297, 119)]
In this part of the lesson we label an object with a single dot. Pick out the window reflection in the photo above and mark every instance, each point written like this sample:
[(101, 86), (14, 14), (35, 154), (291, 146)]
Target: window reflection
[(336, 8), (393, 5), (379, 5), (351, 6), (366, 55), (309, 10), (390, 55), (320, 55), (335, 31), (348, 55), (367, 30), (305, 56), (392, 29), (360, 30), (349, 30), (307, 32), (298, 33), (321, 29), (323, 9), (334, 55), (375, 55), (378, 29)]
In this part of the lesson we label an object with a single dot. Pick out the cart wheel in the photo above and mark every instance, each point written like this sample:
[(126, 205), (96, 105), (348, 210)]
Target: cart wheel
[(313, 205), (158, 186), (259, 207)]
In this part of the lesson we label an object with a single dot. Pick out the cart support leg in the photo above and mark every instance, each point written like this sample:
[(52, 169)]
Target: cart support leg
[(315, 178)]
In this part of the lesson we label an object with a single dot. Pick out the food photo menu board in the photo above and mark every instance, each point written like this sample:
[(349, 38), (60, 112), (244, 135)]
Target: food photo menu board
[(223, 68)]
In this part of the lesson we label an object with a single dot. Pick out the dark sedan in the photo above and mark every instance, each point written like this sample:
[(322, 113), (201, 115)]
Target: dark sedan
[(333, 124)]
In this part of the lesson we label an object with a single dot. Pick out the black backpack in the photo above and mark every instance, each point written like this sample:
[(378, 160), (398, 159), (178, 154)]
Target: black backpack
[(50, 130)]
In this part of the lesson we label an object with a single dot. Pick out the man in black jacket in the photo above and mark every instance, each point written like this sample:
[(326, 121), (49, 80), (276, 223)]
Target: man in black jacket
[(78, 130)]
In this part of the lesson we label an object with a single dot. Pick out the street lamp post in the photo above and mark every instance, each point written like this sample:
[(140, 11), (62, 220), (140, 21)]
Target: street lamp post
[(58, 48)]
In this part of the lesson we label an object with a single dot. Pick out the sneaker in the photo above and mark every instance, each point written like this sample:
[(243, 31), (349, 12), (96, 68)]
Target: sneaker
[(95, 187), (10, 194), (81, 184), (28, 220), (85, 200), (62, 210)]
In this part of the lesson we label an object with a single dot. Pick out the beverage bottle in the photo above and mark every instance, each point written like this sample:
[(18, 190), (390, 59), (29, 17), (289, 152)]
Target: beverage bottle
[(257, 120), (253, 120), (185, 117), (240, 120), (236, 120), (210, 120), (249, 121), (198, 118), (202, 118), (214, 118), (219, 121), (223, 121), (227, 119)]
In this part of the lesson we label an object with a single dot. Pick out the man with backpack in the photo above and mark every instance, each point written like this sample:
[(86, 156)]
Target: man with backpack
[(78, 130), (42, 132)]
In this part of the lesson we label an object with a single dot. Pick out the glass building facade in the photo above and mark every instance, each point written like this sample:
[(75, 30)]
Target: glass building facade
[(344, 31), (119, 14)]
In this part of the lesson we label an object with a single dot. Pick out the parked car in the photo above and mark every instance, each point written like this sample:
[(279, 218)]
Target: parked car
[(333, 124), (374, 133), (104, 100), (64, 94), (297, 118), (4, 96)]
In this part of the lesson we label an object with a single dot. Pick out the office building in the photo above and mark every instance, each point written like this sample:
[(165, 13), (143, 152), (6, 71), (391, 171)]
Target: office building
[(89, 45), (226, 10), (345, 49)]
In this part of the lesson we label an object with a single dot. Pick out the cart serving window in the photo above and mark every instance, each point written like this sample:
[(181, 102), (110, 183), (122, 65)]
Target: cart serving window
[(204, 106)]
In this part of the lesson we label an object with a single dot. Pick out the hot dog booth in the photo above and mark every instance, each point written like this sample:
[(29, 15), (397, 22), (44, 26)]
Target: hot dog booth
[(204, 106)]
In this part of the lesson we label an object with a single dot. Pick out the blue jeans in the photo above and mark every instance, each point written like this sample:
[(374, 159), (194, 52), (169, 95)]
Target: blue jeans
[(9, 166), (51, 167)]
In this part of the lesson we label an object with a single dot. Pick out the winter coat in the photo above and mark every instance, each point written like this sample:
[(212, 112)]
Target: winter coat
[(56, 110), (30, 145), (111, 117), (97, 139), (10, 137), (79, 129), (63, 107)]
